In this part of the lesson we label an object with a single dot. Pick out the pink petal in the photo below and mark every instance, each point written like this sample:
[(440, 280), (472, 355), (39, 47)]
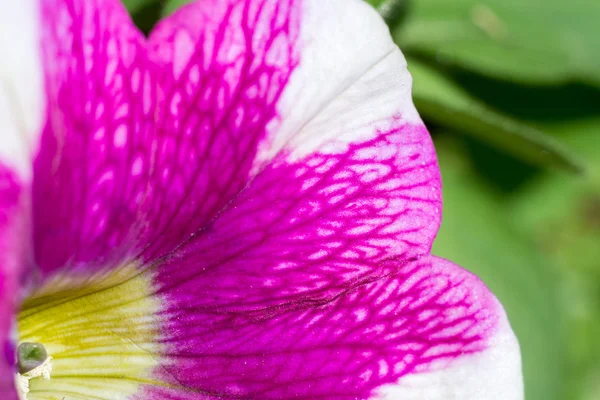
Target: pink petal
[(428, 318), (138, 154), (147, 142), (309, 230), (85, 195), (222, 68)]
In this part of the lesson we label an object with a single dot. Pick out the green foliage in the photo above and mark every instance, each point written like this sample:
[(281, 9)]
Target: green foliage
[(172, 5), (541, 41), (440, 99), (563, 216), (135, 5)]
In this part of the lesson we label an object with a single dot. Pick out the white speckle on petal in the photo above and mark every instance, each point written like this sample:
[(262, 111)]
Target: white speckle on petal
[(120, 138)]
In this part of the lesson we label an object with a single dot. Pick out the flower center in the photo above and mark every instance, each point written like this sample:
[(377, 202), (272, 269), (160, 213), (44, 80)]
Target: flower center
[(100, 333), (32, 362)]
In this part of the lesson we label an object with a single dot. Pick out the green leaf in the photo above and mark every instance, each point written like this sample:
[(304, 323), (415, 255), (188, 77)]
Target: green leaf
[(136, 5), (145, 13), (443, 101), (556, 201), (476, 235), (563, 215), (171, 5), (541, 41)]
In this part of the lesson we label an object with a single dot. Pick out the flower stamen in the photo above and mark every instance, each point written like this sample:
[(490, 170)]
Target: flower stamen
[(32, 362)]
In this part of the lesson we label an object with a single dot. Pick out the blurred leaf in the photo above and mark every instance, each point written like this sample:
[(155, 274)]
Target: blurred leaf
[(546, 104), (564, 199), (476, 235), (563, 215), (443, 101), (145, 13), (135, 5), (171, 5), (523, 40)]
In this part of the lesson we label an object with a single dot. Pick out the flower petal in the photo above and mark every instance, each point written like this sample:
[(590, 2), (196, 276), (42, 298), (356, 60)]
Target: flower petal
[(21, 113), (148, 142), (222, 68), (275, 77), (278, 188), (86, 191), (311, 229), (430, 331), (347, 178), (141, 148)]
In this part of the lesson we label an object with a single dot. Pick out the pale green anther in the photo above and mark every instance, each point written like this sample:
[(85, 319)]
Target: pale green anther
[(30, 356)]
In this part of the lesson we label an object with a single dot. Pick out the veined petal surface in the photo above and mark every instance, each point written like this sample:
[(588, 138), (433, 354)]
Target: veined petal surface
[(86, 190), (261, 196), (428, 319), (147, 142), (346, 177)]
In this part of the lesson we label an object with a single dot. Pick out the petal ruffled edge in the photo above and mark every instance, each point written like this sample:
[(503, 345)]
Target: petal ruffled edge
[(494, 373)]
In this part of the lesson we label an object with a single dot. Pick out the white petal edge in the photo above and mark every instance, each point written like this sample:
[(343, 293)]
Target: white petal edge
[(493, 374), (351, 81), (21, 84)]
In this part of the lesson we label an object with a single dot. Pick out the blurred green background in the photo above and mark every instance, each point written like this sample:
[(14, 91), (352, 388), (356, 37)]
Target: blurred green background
[(510, 90)]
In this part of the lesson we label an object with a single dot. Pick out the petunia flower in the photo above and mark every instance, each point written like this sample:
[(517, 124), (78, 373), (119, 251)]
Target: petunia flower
[(240, 206)]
